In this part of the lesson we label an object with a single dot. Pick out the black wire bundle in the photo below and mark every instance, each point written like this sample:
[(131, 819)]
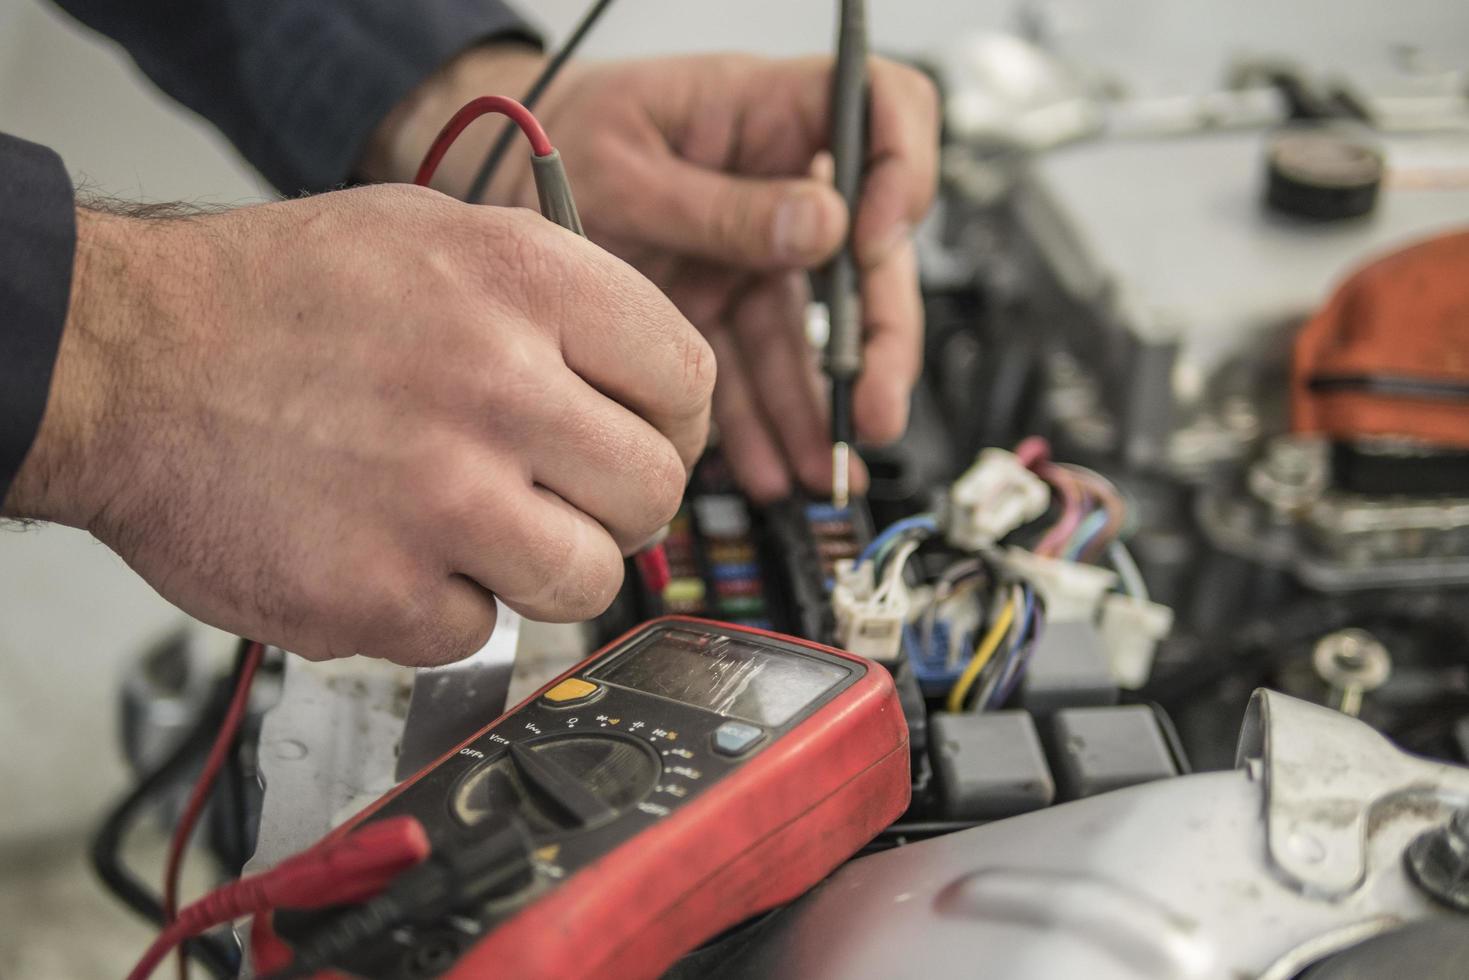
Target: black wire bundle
[(216, 955)]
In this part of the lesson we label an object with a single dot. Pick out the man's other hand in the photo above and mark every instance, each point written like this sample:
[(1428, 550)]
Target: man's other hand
[(706, 174)]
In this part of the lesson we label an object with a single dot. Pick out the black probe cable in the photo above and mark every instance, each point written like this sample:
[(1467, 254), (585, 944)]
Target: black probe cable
[(481, 182), (212, 953), (843, 360)]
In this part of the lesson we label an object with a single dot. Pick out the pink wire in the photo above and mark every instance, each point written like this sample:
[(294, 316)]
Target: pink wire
[(1033, 451), (1106, 494), (1073, 500)]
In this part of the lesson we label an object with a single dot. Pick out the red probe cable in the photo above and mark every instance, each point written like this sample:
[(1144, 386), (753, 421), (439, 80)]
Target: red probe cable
[(352, 869), (218, 755), (652, 565), (540, 144)]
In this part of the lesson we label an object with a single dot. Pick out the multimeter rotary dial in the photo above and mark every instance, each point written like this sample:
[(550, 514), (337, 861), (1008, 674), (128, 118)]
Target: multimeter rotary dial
[(559, 783)]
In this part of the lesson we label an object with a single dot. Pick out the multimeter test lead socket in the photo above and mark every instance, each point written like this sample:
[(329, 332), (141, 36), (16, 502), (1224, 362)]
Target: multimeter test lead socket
[(843, 361)]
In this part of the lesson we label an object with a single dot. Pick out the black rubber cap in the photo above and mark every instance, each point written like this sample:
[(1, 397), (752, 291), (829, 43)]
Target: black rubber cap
[(1323, 175)]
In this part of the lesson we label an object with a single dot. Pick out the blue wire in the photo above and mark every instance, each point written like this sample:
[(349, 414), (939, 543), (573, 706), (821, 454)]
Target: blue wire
[(1037, 628), (1010, 676), (919, 522), (1088, 529)]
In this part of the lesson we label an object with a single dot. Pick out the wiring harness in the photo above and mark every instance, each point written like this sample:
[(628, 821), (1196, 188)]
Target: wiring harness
[(964, 593)]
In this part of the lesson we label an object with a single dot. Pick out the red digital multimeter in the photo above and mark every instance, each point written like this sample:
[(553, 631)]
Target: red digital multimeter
[(684, 778)]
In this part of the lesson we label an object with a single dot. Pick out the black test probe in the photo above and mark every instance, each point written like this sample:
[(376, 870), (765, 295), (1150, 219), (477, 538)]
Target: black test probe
[(843, 361)]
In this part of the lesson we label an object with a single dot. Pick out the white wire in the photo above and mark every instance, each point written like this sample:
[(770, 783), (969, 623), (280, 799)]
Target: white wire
[(895, 568), (1132, 579)]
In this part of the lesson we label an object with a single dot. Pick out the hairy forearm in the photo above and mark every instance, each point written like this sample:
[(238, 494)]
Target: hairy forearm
[(46, 486), (129, 270)]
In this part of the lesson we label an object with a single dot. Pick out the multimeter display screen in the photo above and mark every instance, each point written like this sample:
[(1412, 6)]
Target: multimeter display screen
[(744, 680)]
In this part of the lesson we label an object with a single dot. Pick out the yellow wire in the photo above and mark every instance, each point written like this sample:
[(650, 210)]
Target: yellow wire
[(982, 655)]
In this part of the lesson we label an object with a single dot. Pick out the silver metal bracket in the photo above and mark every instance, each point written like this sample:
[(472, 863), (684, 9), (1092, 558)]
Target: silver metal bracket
[(1327, 779)]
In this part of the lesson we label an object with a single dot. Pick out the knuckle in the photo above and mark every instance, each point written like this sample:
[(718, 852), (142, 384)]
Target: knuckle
[(580, 577), (728, 217), (925, 92), (449, 497), (382, 615), (601, 578), (695, 389), (514, 371), (552, 563), (448, 633), (666, 475), (515, 241), (914, 87), (423, 621)]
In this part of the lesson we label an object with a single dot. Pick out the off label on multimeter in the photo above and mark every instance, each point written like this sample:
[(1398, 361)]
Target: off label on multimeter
[(683, 753)]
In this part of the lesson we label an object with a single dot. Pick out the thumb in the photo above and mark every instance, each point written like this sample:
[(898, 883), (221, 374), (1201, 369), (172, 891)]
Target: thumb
[(763, 223)]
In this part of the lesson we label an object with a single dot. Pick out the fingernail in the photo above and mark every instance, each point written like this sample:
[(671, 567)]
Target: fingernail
[(797, 231)]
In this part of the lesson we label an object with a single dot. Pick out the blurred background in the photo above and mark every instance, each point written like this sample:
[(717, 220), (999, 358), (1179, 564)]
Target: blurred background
[(73, 617)]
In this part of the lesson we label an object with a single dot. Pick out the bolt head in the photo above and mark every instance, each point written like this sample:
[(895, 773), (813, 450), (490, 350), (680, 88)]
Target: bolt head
[(1352, 658), (1438, 860)]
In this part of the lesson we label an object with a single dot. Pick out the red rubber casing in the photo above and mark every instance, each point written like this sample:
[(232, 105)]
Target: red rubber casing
[(760, 837)]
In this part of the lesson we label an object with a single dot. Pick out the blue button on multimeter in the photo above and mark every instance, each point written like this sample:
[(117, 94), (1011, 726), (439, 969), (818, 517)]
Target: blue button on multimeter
[(734, 737)]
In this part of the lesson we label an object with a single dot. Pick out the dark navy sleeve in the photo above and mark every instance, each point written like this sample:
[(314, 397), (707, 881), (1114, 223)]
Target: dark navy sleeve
[(37, 246), (296, 85)]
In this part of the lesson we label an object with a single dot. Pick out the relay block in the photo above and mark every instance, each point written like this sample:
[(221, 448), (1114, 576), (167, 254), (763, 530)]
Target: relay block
[(774, 567), (768, 568)]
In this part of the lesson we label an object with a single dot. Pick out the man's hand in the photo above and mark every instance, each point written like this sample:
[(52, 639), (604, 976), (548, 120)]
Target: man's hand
[(341, 424), (701, 172)]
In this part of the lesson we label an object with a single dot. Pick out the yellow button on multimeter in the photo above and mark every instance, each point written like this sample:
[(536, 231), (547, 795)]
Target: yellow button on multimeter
[(571, 691)]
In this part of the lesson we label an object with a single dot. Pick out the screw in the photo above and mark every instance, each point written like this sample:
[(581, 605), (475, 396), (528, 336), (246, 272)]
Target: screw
[(1438, 860), (1352, 662)]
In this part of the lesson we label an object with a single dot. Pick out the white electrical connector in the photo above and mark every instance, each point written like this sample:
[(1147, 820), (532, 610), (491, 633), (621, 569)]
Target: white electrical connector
[(1073, 592), (1131, 629), (869, 620), (996, 495)]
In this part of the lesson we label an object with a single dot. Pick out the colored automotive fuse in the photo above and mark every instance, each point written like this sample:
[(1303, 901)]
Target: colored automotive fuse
[(834, 549), (741, 606), (720, 525), (831, 529), (824, 513), (724, 573), (731, 552), (738, 587), (722, 515), (834, 537), (684, 595)]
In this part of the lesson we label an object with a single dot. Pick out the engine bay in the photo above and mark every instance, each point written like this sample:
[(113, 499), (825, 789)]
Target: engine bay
[(1171, 570)]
